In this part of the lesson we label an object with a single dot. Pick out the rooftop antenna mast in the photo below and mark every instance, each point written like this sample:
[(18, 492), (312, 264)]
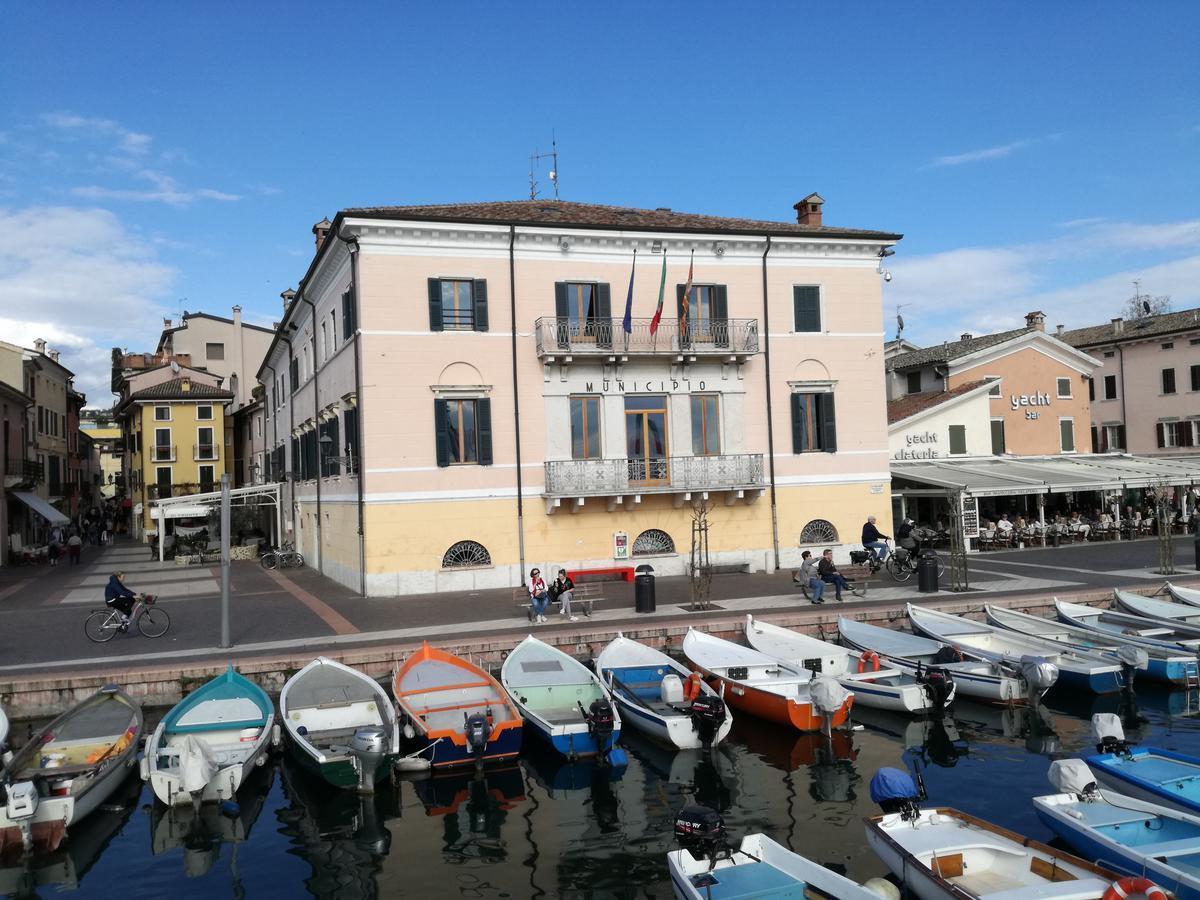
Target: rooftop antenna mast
[(534, 158)]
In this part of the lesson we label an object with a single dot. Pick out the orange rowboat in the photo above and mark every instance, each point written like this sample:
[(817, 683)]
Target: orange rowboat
[(754, 683)]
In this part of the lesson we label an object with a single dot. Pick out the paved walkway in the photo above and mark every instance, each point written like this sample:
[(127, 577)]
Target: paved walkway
[(42, 609)]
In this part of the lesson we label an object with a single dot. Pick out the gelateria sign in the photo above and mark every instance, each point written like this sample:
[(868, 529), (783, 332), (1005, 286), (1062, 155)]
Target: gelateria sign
[(1035, 399), (919, 445)]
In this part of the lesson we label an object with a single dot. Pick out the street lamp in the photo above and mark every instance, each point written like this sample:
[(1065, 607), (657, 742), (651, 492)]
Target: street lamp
[(326, 444)]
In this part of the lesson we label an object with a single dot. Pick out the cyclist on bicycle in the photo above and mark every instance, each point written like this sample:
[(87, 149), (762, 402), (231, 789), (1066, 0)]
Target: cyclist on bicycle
[(905, 537), (119, 597), (873, 540)]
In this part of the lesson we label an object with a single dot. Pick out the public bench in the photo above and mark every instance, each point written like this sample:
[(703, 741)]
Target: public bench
[(584, 597), (625, 573)]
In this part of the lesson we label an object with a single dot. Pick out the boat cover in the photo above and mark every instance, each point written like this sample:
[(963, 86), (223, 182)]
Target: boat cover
[(892, 784), (196, 764), (1107, 725), (1071, 776), (827, 695)]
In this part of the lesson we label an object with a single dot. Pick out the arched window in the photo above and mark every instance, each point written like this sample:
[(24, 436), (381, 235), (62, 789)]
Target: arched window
[(466, 555), (653, 542), (818, 531)]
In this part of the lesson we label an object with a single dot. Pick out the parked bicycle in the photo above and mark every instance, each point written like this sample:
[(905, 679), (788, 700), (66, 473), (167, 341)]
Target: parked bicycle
[(284, 558), (104, 624), (902, 563)]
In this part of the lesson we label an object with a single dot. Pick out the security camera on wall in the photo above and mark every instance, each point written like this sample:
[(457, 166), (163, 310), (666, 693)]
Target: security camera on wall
[(887, 276)]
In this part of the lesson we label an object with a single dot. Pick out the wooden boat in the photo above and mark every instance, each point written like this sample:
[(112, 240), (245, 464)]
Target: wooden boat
[(68, 769), (1170, 635), (1153, 774), (1157, 610), (1076, 668), (1170, 666), (210, 741), (456, 708), (561, 700), (974, 676), (864, 674), (1190, 596), (648, 687), (754, 683), (340, 724), (1128, 834)]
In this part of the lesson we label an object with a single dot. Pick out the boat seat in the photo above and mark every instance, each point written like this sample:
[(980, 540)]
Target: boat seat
[(1084, 887), (1178, 847), (1102, 815), (561, 715), (239, 725)]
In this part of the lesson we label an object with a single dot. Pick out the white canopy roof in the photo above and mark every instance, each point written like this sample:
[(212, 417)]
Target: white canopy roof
[(41, 507)]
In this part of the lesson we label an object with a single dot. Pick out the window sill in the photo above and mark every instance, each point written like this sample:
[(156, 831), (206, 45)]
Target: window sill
[(467, 569)]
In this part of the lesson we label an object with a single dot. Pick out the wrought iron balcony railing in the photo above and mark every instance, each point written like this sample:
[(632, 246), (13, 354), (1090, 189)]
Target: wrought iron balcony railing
[(25, 469), (204, 451), (611, 477), (161, 453), (557, 337)]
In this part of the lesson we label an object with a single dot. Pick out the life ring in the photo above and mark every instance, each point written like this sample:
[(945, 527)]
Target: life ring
[(1131, 885), (691, 687), (868, 656)]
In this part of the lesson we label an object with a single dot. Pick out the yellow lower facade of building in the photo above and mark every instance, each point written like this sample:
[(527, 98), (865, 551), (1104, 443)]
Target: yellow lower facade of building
[(405, 543)]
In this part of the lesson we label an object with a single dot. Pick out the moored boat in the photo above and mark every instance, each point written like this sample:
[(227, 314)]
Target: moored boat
[(1129, 834), (210, 741), (339, 724), (3, 735), (562, 700), (1148, 773), (1076, 668), (873, 682), (1157, 610), (1190, 596), (1170, 635), (68, 769), (754, 683), (651, 690), (974, 676), (457, 709)]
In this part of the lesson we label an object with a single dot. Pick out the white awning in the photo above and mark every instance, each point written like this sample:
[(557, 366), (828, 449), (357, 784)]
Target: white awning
[(179, 512), (41, 507)]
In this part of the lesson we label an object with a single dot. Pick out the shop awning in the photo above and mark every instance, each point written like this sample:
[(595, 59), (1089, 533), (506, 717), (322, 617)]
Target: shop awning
[(41, 507), (999, 476), (180, 512)]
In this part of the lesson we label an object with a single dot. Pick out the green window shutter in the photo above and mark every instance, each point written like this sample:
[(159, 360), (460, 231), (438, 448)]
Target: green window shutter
[(1121, 436), (604, 324), (481, 306), (958, 439), (720, 322), (483, 422), (331, 463), (825, 408), (562, 313), (435, 305), (1066, 433), (679, 301), (441, 430), (1160, 432), (797, 424), (998, 437), (807, 301)]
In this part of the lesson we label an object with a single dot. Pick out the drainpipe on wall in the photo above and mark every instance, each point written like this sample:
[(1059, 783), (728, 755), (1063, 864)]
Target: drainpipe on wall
[(945, 373), (275, 420), (770, 426), (317, 427), (352, 248), (512, 300), (287, 453), (1124, 423)]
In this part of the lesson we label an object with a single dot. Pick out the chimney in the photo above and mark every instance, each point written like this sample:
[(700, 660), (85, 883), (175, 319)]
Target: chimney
[(53, 354), (966, 336), (237, 317), (39, 346), (1118, 325), (1036, 319), (1058, 330), (166, 322), (321, 230), (808, 210), (288, 296), (185, 384)]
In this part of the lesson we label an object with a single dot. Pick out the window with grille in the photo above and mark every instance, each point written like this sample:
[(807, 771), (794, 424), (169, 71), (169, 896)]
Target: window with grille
[(818, 531), (466, 555), (653, 542)]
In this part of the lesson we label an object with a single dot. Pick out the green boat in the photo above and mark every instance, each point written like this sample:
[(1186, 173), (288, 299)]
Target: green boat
[(340, 725)]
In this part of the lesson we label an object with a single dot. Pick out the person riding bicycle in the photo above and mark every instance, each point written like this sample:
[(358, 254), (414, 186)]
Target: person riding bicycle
[(905, 537), (873, 540), (119, 597)]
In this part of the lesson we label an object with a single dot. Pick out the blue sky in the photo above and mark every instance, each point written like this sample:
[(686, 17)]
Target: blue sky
[(158, 156)]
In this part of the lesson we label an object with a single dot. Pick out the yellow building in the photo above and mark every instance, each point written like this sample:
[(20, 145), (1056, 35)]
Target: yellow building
[(176, 442)]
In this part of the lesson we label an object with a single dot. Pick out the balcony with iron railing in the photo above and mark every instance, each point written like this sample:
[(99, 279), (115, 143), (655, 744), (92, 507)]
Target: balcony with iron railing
[(19, 471), (204, 451), (559, 339), (162, 453), (737, 475)]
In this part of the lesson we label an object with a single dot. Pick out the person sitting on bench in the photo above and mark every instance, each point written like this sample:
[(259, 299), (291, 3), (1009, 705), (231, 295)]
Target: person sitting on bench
[(830, 574), (539, 599), (807, 575), (562, 590)]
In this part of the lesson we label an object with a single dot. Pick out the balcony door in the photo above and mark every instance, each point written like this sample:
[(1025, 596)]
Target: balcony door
[(646, 439), (584, 313)]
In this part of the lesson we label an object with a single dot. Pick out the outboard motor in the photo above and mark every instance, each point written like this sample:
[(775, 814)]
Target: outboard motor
[(896, 792), (600, 722), (701, 832), (1072, 776), (1132, 659), (476, 730), (1039, 675), (939, 687), (828, 696), (20, 805), (1108, 733), (368, 747), (708, 714)]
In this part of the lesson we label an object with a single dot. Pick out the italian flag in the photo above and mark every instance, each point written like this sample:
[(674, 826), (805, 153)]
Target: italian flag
[(662, 286)]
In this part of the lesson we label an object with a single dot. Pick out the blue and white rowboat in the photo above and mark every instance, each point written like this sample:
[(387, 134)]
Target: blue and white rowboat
[(1190, 596), (1169, 635), (1148, 773), (1157, 610)]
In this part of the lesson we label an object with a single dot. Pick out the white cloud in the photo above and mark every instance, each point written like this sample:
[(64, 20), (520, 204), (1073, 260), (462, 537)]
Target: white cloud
[(126, 140), (164, 189), (80, 280), (997, 152)]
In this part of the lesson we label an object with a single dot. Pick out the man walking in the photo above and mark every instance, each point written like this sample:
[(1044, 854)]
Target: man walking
[(74, 546)]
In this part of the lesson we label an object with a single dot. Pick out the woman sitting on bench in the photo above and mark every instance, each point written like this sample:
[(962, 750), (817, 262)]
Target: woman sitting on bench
[(539, 599), (561, 590)]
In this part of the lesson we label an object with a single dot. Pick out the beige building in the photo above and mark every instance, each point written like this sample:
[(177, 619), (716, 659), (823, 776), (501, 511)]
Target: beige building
[(453, 398), (229, 348)]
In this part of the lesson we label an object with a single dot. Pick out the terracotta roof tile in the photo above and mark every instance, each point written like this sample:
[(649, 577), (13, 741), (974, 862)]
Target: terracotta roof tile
[(902, 408), (951, 350), (1133, 329), (173, 390)]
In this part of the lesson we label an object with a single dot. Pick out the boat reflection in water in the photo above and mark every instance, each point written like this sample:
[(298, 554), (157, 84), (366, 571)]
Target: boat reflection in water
[(1034, 724), (591, 776), (709, 775), (473, 806), (200, 834), (828, 758), (340, 834), (66, 866), (932, 740)]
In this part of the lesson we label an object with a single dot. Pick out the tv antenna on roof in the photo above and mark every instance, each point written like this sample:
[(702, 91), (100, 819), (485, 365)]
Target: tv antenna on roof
[(533, 161)]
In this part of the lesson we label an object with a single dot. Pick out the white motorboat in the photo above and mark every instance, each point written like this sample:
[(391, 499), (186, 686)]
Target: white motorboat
[(649, 688), (1157, 610), (872, 682), (1076, 668), (974, 676), (1169, 635)]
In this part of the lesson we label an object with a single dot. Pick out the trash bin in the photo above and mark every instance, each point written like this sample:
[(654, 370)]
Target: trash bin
[(1055, 538), (927, 577), (643, 589)]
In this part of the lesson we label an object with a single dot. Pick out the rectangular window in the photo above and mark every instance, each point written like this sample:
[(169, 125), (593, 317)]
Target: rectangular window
[(464, 432), (207, 485), (994, 390), (1112, 437), (295, 373), (458, 305), (998, 447), (958, 440), (1066, 435), (585, 428), (41, 420), (1168, 381), (1110, 387), (55, 476), (1109, 354), (1091, 388), (214, 351), (349, 315), (324, 345), (204, 444), (706, 425), (914, 382), (1195, 370), (330, 447), (332, 331), (806, 299), (1169, 345), (204, 413), (162, 480), (583, 313), (1064, 388), (814, 423)]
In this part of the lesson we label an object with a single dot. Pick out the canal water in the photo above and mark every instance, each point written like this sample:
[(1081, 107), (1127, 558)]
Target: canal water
[(545, 828)]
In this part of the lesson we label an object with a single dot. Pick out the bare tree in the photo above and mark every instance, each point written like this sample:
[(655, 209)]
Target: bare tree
[(1140, 305)]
